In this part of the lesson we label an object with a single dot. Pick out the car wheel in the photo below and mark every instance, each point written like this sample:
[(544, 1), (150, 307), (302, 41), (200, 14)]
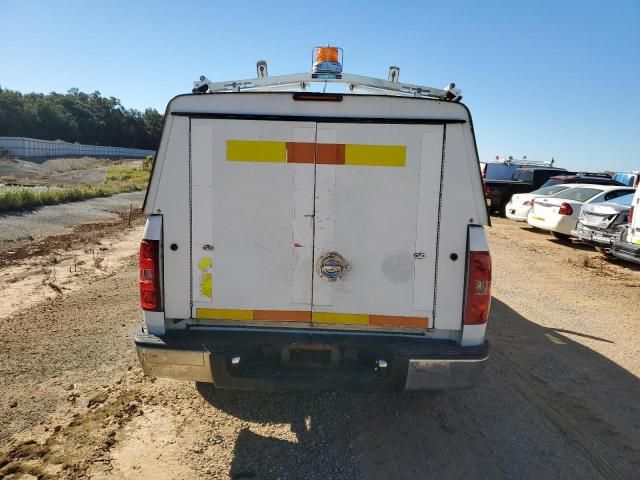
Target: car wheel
[(561, 236)]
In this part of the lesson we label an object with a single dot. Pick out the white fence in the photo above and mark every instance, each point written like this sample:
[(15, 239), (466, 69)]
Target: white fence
[(32, 147)]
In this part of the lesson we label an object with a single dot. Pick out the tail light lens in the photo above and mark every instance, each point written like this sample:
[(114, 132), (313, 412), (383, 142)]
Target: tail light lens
[(565, 209), (527, 203), (631, 215), (487, 190), (476, 311), (150, 275)]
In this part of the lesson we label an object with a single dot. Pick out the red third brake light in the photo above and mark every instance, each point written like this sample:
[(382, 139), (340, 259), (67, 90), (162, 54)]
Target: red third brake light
[(150, 275), (476, 311), (565, 209)]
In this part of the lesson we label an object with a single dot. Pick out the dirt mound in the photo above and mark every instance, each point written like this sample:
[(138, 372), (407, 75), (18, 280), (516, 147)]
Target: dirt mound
[(58, 171)]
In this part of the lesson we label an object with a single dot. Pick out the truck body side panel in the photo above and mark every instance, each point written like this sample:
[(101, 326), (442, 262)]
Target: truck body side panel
[(172, 172), (461, 189)]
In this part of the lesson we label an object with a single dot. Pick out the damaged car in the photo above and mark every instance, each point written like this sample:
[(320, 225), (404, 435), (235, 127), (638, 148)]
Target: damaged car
[(599, 224)]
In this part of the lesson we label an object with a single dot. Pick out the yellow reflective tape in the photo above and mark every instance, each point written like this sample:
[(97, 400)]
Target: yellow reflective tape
[(206, 285), (205, 266), (205, 263), (223, 314), (375, 155), (340, 318), (256, 151)]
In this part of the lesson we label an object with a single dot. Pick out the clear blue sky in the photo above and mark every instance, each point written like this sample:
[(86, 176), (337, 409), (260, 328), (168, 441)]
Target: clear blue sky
[(542, 78)]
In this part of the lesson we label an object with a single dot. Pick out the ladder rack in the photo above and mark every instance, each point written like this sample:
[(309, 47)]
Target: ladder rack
[(301, 81), (524, 162)]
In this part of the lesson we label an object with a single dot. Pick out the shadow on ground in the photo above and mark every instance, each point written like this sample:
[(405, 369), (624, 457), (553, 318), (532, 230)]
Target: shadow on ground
[(548, 407)]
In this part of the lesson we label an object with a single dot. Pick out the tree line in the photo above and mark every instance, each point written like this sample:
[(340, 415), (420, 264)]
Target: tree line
[(78, 117)]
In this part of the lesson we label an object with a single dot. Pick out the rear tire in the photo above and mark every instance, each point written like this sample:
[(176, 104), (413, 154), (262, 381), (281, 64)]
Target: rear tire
[(561, 236)]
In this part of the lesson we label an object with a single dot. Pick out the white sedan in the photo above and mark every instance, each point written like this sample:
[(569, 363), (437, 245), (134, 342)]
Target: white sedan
[(520, 203), (559, 214)]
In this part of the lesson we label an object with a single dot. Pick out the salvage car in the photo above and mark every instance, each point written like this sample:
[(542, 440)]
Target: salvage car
[(628, 246), (599, 224), (520, 204), (559, 214)]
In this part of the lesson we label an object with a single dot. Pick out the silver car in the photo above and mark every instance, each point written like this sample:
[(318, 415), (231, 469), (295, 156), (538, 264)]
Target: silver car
[(600, 224)]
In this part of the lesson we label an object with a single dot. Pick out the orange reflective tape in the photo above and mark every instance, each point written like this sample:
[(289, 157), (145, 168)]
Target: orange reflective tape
[(393, 321), (282, 315), (330, 153), (300, 152)]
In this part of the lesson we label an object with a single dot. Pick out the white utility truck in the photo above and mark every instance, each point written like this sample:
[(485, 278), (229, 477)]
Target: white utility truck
[(304, 239)]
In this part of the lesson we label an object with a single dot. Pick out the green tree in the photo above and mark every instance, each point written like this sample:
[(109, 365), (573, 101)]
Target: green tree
[(78, 117)]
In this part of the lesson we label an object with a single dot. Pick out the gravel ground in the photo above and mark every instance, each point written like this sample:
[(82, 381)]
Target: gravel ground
[(559, 398), (55, 219)]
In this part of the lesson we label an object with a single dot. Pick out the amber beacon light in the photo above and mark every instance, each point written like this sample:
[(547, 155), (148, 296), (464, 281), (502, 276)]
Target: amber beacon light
[(327, 62)]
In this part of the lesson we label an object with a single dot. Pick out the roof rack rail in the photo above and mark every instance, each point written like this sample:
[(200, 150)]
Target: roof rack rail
[(524, 161), (327, 68), (301, 81)]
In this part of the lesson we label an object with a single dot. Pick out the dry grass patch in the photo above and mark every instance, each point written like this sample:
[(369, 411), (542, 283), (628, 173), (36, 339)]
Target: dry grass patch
[(119, 179)]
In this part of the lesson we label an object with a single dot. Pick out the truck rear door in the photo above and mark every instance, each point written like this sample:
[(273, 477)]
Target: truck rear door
[(323, 224), (376, 213), (252, 220)]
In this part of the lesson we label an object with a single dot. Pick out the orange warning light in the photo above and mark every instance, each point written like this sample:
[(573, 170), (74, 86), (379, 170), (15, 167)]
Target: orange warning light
[(327, 54)]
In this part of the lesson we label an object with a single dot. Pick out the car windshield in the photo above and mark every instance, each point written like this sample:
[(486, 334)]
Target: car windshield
[(623, 200), (552, 190), (580, 194)]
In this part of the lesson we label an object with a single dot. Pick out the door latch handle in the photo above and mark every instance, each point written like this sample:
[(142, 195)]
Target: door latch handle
[(418, 255)]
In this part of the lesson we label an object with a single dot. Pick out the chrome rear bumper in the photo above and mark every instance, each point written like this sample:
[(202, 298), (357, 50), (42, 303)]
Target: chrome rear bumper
[(354, 362)]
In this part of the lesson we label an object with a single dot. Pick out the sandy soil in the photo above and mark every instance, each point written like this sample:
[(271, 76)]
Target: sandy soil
[(559, 398), (64, 269)]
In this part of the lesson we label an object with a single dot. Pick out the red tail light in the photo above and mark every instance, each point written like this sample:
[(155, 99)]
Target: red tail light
[(565, 209), (631, 215), (476, 310), (150, 275), (528, 203), (487, 190)]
